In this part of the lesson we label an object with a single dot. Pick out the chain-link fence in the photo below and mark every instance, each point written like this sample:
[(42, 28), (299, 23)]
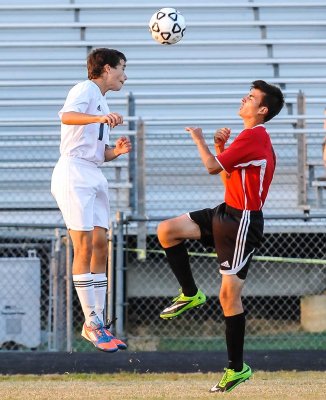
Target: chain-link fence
[(25, 286), (284, 295), (176, 180)]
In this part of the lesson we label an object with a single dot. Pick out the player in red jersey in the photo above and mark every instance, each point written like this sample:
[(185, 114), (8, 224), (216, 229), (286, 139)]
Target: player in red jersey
[(235, 227)]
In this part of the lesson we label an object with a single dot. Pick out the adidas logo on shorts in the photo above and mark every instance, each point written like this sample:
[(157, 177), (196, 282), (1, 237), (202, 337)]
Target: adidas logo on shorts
[(225, 264)]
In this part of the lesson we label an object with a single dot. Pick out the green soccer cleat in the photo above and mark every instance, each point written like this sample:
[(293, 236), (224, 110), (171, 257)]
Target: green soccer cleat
[(231, 379), (182, 303)]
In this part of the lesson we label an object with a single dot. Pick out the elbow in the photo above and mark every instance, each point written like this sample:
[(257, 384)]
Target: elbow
[(213, 168), (65, 119), (213, 171), (68, 118)]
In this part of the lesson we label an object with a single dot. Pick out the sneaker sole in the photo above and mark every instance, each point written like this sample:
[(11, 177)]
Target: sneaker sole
[(237, 384), (171, 316), (233, 387), (98, 348), (121, 347)]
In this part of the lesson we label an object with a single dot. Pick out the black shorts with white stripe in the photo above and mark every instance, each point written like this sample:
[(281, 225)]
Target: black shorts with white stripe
[(235, 235)]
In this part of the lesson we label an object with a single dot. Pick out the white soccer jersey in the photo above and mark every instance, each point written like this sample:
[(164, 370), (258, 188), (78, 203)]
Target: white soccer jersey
[(85, 141)]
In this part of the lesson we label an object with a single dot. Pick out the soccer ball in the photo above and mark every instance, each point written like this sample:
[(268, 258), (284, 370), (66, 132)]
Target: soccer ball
[(167, 26)]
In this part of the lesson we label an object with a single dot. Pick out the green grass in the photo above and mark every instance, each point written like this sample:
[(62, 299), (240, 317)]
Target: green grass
[(131, 386)]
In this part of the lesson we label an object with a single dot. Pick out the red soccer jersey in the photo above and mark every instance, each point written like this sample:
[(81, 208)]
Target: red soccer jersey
[(250, 161)]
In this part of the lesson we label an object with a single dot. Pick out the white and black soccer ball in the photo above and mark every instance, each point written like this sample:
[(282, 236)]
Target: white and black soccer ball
[(167, 26)]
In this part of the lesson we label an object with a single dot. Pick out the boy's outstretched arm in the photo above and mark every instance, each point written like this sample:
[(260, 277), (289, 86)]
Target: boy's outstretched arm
[(220, 138), (208, 159)]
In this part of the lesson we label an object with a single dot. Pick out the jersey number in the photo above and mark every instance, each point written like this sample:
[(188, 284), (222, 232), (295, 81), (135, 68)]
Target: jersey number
[(100, 134)]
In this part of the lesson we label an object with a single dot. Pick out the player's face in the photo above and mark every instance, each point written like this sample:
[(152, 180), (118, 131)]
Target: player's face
[(116, 76), (251, 104)]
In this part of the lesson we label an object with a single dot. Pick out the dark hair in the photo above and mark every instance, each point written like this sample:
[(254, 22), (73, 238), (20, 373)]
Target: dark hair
[(98, 58), (273, 99)]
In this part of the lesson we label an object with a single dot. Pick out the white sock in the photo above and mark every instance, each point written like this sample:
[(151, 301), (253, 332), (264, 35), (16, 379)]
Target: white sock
[(85, 289), (100, 287)]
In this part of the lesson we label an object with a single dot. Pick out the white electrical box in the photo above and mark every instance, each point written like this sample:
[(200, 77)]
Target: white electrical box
[(20, 301)]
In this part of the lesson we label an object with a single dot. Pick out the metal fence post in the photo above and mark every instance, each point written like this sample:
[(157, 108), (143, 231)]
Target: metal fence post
[(132, 154), (54, 290), (50, 305), (57, 300), (302, 152), (69, 288), (141, 199), (110, 274), (119, 298), (51, 311)]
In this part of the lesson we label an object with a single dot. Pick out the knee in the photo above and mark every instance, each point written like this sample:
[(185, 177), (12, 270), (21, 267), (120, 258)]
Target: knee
[(229, 298), (83, 251), (100, 247), (100, 244), (164, 232), (223, 297)]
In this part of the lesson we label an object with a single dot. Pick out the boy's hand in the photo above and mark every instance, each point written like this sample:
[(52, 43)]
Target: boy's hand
[(222, 136), (196, 133), (112, 119), (122, 145)]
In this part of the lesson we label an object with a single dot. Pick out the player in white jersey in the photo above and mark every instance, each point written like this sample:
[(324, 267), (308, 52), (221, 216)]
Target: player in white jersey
[(81, 190)]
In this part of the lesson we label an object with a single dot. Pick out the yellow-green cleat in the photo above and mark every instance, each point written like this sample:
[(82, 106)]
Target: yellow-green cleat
[(182, 303), (231, 379)]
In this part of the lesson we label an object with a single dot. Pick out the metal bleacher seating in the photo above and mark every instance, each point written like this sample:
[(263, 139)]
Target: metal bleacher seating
[(27, 159), (227, 45)]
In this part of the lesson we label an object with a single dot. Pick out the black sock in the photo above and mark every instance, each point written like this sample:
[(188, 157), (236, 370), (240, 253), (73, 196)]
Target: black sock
[(234, 332), (179, 261)]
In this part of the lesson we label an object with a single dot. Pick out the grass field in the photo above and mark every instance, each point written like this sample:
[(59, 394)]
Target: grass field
[(126, 386)]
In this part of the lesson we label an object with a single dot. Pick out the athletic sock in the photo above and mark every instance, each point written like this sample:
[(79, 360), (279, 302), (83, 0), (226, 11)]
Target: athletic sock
[(100, 286), (234, 332), (179, 261), (85, 290)]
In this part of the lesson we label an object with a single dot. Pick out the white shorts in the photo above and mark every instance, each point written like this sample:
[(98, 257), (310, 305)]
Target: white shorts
[(82, 194)]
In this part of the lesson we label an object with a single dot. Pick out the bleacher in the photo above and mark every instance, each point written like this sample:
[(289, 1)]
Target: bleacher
[(198, 81), (27, 160)]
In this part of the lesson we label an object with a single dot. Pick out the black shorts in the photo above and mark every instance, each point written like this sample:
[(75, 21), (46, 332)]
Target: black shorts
[(235, 235)]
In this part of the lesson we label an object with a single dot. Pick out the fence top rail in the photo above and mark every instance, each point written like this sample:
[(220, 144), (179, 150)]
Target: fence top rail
[(191, 24), (30, 225), (271, 130), (56, 122), (49, 135), (146, 5), (304, 216), (163, 120), (185, 43)]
